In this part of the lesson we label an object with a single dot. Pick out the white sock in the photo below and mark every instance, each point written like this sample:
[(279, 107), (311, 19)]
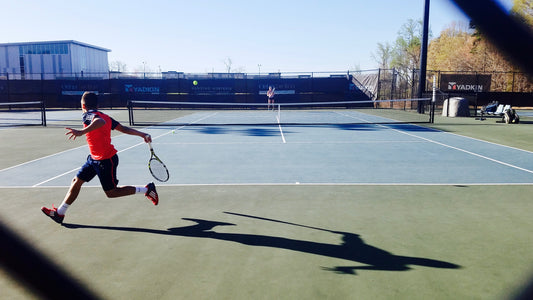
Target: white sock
[(62, 209), (140, 190)]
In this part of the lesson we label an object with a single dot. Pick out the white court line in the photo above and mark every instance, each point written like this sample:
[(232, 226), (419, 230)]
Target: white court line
[(325, 184), (297, 142), (303, 184), (479, 140), (55, 177), (465, 151), (345, 184), (73, 170), (128, 148), (41, 158), (449, 146), (282, 135), (279, 125), (58, 153)]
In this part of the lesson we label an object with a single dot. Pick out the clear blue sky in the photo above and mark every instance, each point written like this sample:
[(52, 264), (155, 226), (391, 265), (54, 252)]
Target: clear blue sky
[(198, 35)]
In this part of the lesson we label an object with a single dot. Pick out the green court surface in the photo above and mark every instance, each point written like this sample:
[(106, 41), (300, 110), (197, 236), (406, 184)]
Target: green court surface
[(336, 238)]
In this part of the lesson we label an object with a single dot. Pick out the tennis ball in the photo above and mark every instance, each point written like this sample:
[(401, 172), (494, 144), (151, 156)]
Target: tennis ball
[(195, 82), (173, 131)]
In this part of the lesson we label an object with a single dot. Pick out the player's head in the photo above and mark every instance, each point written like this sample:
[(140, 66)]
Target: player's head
[(89, 100)]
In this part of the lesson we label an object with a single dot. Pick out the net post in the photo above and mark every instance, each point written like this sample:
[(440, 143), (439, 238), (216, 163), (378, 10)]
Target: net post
[(43, 113), (130, 112), (433, 101)]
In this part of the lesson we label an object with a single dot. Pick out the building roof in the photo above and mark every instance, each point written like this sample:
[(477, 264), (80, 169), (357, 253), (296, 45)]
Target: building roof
[(56, 42)]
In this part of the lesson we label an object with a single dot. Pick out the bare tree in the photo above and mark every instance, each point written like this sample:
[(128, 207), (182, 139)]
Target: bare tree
[(228, 63), (117, 66), (406, 53), (383, 55)]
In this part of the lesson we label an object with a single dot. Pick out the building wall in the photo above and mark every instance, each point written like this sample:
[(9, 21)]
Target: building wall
[(51, 60), (9, 57), (92, 62)]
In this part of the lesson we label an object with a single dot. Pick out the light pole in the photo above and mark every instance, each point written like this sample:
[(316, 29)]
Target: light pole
[(423, 57), (259, 66)]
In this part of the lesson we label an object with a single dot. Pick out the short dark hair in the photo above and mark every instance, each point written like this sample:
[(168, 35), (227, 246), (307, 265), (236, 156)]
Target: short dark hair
[(90, 99)]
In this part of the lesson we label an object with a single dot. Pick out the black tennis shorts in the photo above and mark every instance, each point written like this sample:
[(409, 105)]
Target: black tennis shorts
[(106, 170)]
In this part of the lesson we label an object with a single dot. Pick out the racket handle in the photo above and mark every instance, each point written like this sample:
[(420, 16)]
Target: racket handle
[(150, 145)]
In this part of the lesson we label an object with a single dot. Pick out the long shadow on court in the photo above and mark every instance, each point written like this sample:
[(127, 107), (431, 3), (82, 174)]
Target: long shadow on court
[(352, 247), (255, 131), (382, 127)]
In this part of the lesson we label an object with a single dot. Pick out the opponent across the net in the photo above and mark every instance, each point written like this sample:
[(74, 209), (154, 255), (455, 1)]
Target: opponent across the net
[(309, 113)]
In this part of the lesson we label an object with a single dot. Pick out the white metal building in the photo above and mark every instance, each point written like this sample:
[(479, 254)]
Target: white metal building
[(53, 59)]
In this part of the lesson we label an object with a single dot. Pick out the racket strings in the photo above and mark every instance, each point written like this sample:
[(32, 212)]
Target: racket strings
[(158, 170)]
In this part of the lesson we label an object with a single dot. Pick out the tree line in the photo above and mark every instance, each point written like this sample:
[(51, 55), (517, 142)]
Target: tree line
[(459, 48)]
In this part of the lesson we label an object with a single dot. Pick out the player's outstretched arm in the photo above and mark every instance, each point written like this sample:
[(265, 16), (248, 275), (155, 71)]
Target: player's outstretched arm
[(95, 124), (128, 130)]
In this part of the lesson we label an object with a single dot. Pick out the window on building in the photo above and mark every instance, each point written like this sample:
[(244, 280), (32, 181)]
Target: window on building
[(22, 71), (57, 48)]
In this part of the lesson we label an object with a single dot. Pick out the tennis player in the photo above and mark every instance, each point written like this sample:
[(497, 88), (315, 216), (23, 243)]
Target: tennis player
[(270, 94), (102, 161)]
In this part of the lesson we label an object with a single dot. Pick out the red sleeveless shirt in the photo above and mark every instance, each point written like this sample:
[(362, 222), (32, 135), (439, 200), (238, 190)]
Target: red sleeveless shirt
[(99, 140)]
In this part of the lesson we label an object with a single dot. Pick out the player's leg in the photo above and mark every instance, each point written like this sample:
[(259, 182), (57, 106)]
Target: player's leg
[(107, 173), (73, 191), (85, 174), (58, 214), (120, 191), (149, 191), (71, 196)]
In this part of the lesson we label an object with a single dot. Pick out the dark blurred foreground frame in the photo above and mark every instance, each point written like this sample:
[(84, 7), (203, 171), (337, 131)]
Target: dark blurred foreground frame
[(40, 275), (514, 38)]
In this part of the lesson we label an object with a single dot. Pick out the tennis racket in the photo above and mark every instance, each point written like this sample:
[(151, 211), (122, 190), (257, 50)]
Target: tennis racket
[(157, 167)]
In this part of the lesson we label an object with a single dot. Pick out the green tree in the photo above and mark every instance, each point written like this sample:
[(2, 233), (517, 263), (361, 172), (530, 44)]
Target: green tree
[(406, 50), (383, 55), (458, 48), (452, 50), (404, 54)]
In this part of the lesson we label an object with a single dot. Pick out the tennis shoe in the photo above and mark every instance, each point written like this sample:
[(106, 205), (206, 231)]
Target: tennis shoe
[(52, 213), (152, 193)]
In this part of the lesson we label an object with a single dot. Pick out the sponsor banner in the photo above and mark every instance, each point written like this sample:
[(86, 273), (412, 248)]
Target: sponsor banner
[(212, 90), (131, 88), (465, 83), (279, 92), (73, 93), (282, 88), (78, 88)]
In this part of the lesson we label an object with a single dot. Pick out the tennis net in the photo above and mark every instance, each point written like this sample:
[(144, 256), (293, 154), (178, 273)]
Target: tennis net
[(144, 113), (22, 113)]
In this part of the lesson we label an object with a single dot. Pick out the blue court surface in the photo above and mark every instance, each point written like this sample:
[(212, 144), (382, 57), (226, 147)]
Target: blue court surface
[(326, 154), (338, 211)]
